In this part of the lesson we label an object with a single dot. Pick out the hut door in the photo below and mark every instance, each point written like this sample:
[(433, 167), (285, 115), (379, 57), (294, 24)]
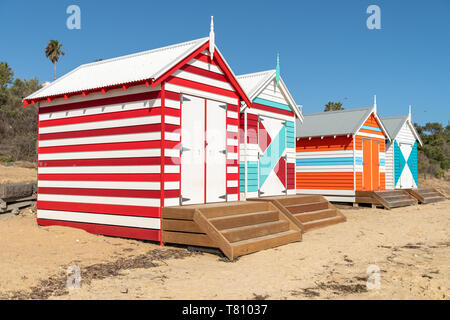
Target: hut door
[(216, 151), (371, 168), (192, 150), (272, 156), (406, 178), (375, 165)]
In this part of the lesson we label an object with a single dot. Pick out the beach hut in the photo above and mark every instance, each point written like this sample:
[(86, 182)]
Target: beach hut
[(122, 138), (401, 152), (341, 153), (267, 136)]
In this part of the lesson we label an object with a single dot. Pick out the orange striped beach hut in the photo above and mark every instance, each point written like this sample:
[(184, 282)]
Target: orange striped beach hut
[(341, 152)]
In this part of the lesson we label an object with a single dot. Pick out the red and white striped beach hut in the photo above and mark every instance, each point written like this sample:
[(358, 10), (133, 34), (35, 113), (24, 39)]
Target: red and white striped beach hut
[(122, 138)]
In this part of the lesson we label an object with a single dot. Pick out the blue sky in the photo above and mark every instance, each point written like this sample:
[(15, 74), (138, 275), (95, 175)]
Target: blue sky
[(327, 53)]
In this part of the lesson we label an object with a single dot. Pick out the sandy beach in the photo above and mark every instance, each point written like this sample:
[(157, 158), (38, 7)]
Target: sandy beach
[(410, 246)]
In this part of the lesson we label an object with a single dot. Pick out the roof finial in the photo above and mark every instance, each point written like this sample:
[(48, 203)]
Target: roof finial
[(277, 77), (375, 103), (409, 113), (212, 45)]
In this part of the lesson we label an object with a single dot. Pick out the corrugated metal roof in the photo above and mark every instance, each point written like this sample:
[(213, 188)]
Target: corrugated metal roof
[(121, 70), (332, 122), (394, 124), (251, 82)]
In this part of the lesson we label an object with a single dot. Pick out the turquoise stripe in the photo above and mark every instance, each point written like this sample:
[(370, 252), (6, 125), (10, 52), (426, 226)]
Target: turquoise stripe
[(328, 161), (252, 176), (412, 162), (272, 104), (371, 128), (289, 124)]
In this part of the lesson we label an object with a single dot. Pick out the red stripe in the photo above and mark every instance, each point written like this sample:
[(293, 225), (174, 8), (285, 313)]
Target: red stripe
[(109, 177), (152, 194), (102, 102), (232, 190), (102, 132), (205, 73), (232, 107), (107, 132), (99, 117), (180, 64), (124, 232), (232, 176), (106, 146), (271, 109), (101, 162), (232, 121), (138, 211), (205, 58), (201, 86)]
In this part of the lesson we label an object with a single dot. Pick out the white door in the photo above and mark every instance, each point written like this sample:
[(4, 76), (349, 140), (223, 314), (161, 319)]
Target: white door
[(406, 178), (192, 150), (216, 151)]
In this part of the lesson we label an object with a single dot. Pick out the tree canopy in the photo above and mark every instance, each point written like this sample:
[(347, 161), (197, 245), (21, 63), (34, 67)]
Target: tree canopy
[(333, 106)]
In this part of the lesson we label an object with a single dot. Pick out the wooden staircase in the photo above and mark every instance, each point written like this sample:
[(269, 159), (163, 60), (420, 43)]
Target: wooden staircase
[(307, 211), (236, 228), (426, 195), (388, 198)]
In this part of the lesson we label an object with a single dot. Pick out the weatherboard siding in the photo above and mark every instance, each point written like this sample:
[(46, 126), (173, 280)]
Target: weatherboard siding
[(270, 102), (108, 162), (333, 165), (99, 162)]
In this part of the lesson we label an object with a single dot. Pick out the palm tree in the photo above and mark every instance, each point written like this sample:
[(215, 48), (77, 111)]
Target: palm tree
[(53, 51)]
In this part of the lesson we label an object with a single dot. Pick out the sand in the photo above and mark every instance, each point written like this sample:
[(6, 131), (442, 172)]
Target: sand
[(410, 246), (15, 174)]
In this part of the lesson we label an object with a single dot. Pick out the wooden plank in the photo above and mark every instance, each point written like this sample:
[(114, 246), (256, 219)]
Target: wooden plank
[(180, 226), (287, 215), (270, 241), (256, 230), (305, 207), (246, 207), (244, 219), (177, 213), (193, 239), (215, 235), (322, 223), (316, 215)]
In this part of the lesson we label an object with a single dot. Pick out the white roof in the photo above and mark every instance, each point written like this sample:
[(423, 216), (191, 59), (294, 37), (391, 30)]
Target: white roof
[(394, 124), (254, 83), (121, 70), (251, 82)]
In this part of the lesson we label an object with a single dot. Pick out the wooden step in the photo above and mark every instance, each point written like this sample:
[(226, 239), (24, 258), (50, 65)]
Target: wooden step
[(244, 219), (315, 215), (301, 209), (306, 207), (323, 222), (402, 203), (265, 242), (255, 230), (434, 199)]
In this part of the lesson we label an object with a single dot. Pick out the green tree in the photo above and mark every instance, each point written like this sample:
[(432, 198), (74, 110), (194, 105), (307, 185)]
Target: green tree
[(6, 77), (53, 51), (333, 106)]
